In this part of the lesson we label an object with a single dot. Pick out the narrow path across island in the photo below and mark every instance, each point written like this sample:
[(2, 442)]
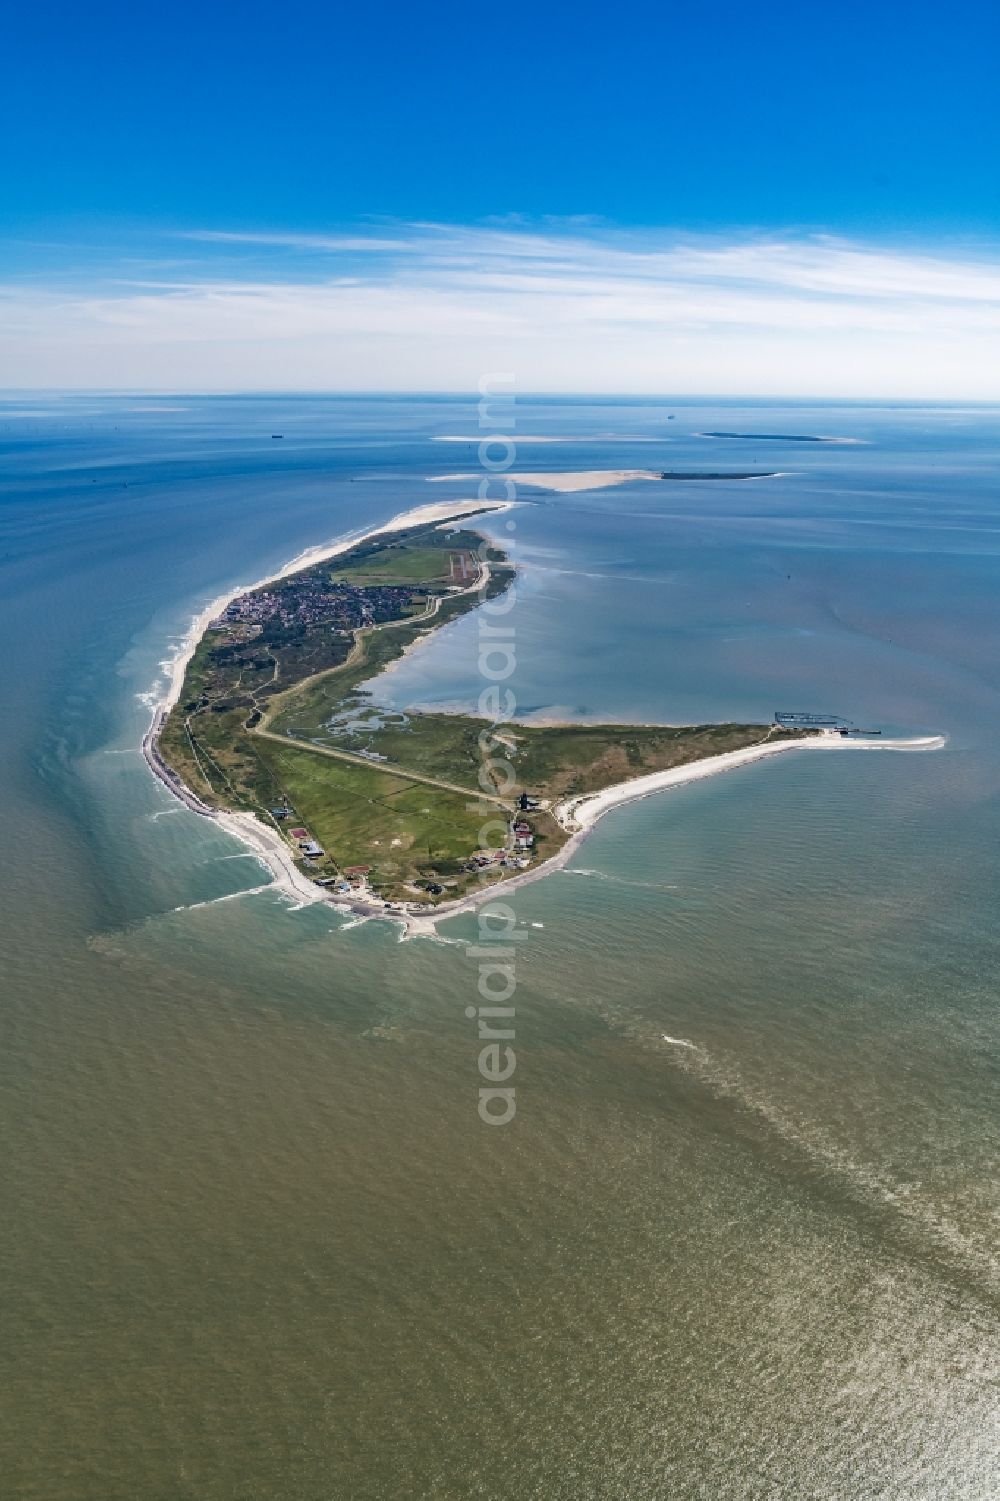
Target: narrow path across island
[(387, 769)]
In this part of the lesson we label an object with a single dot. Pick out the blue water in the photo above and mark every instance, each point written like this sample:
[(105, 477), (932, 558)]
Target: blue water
[(258, 1243)]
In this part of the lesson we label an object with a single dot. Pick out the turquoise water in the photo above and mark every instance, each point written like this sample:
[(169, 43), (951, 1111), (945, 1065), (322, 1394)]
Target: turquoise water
[(257, 1242)]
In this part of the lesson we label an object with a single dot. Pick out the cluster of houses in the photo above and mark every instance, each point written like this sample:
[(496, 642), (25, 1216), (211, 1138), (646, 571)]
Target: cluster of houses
[(517, 854), (307, 844), (504, 858), (354, 879), (313, 599)]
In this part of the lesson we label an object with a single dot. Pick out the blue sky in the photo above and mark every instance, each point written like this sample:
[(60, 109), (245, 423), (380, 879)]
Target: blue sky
[(320, 144)]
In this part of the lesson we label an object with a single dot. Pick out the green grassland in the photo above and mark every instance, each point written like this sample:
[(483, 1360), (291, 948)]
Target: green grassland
[(361, 815), (551, 761), (400, 564), (273, 713), (237, 674)]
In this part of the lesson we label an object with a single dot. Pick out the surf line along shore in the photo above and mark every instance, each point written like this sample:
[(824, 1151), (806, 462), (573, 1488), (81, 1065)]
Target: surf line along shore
[(267, 844), (574, 815)]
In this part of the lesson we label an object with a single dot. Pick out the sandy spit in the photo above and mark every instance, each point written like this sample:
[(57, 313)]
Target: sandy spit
[(579, 815), (568, 482)]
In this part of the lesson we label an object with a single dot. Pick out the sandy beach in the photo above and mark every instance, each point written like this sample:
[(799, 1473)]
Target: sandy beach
[(579, 815), (175, 667), (566, 483), (267, 844)]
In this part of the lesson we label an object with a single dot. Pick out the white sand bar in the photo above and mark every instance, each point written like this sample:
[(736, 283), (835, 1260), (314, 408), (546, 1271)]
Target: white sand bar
[(581, 813), (565, 482)]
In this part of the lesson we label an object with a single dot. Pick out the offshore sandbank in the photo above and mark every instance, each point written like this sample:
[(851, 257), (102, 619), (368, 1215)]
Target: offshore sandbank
[(571, 482), (566, 483)]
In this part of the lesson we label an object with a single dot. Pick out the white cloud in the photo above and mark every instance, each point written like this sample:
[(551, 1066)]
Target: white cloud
[(430, 307)]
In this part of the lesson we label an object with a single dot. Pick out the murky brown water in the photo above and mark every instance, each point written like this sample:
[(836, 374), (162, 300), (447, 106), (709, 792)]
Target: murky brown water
[(256, 1244)]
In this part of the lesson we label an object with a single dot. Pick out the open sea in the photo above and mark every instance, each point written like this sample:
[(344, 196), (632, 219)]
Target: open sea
[(739, 1242)]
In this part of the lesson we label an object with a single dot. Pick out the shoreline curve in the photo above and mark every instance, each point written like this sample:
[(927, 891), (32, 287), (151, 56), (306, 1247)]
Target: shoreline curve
[(577, 815)]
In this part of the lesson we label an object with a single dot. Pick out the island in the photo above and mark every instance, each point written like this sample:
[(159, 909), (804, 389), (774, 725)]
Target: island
[(720, 474), (569, 482), (779, 437), (271, 728)]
